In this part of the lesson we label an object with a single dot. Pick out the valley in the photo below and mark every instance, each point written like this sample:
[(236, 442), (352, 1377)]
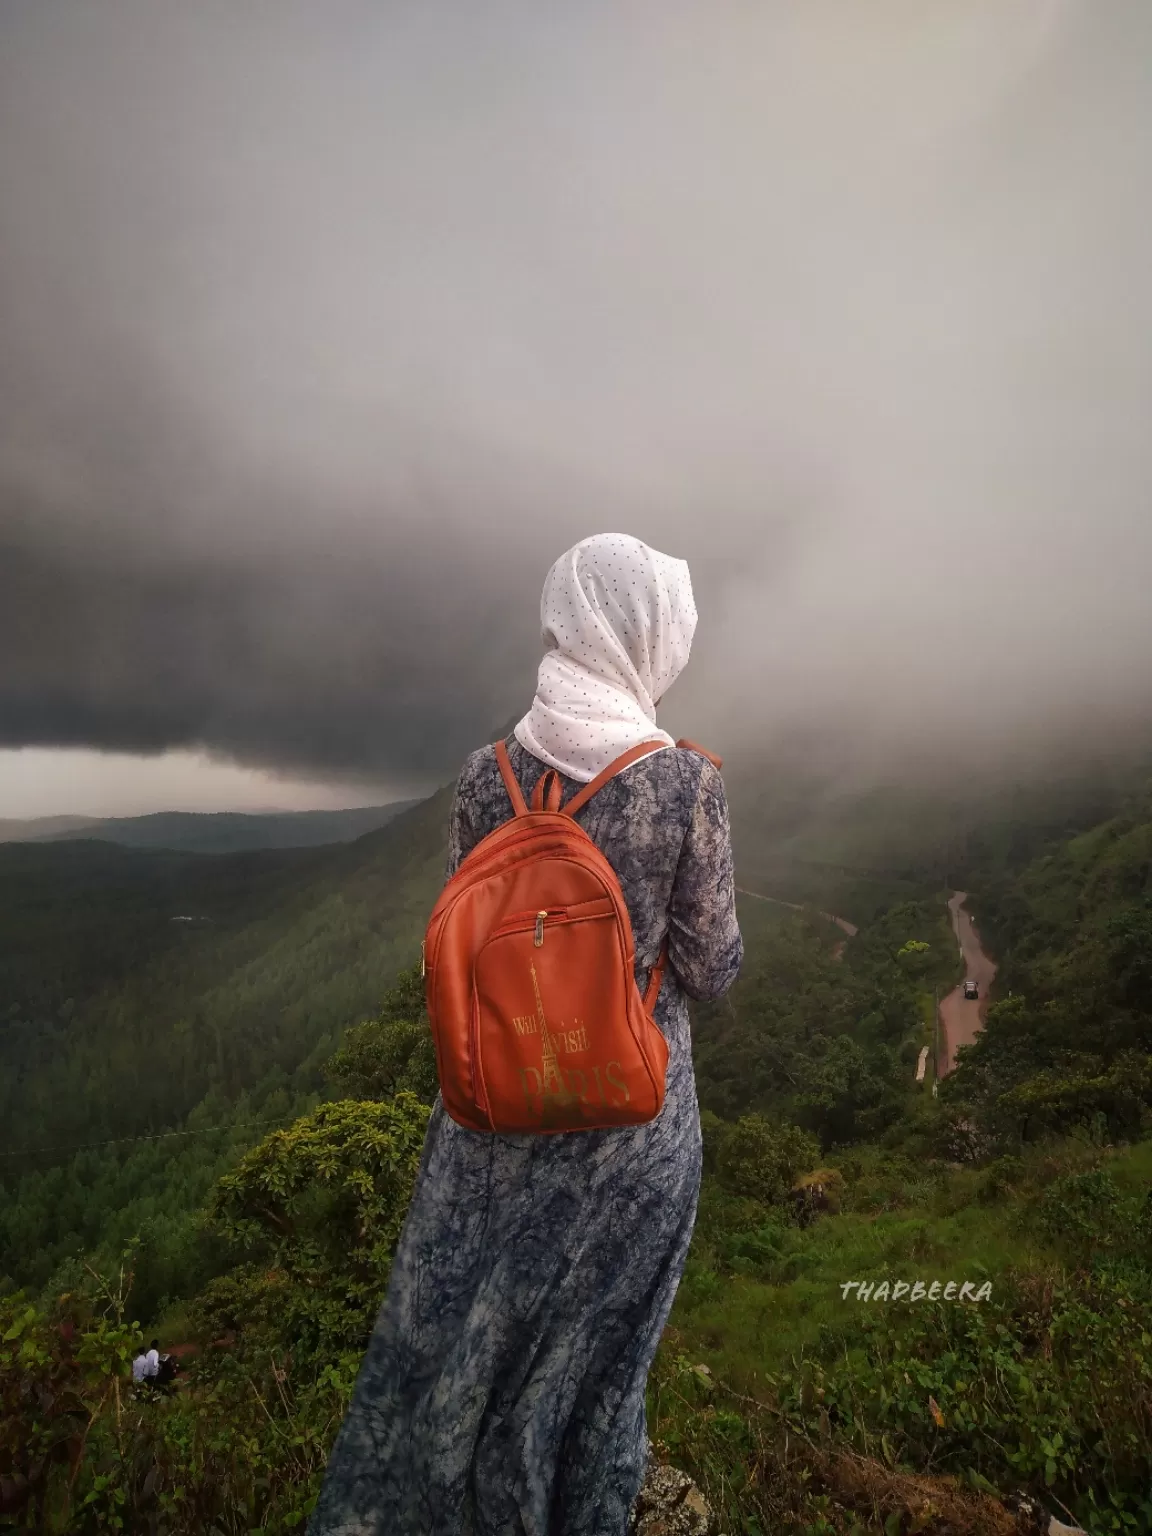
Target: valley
[(162, 1079)]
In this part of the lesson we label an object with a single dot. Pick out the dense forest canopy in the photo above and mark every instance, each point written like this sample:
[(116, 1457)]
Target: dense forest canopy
[(117, 1018)]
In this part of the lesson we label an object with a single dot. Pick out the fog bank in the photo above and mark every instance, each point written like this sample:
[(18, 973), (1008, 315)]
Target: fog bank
[(323, 330)]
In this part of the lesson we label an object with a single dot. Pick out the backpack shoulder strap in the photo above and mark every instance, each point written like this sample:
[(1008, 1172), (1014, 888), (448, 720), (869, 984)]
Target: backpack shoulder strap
[(625, 760), (694, 746), (511, 783), (656, 978)]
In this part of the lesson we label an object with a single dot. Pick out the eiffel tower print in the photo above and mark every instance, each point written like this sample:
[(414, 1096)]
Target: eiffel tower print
[(554, 1092)]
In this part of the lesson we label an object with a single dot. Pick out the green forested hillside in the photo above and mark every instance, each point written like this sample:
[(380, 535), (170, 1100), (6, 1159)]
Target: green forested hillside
[(1069, 1037), (798, 1407), (117, 1018), (820, 1032)]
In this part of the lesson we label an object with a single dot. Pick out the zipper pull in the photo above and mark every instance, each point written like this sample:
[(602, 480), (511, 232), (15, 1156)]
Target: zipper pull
[(539, 940), (422, 944)]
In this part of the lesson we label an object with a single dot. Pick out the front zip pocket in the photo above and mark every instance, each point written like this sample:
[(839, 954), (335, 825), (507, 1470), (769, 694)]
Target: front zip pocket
[(551, 1047)]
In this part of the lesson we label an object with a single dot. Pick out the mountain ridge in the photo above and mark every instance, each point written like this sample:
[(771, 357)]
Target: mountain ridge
[(209, 831)]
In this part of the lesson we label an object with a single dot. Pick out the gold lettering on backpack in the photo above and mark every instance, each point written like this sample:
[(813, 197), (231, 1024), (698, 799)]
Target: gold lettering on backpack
[(532, 1096), (557, 1096), (524, 1024), (573, 1074), (617, 1081), (569, 1042), (576, 1039)]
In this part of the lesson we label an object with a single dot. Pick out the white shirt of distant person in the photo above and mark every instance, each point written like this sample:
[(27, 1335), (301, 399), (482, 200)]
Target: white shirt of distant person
[(146, 1366)]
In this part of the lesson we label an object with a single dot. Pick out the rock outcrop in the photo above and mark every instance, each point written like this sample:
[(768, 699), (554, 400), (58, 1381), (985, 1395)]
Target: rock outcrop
[(670, 1504)]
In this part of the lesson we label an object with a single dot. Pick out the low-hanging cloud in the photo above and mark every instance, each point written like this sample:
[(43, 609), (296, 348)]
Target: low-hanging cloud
[(324, 329)]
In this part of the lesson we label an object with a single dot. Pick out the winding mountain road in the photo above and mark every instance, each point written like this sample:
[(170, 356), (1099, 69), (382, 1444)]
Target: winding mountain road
[(830, 917), (962, 1019)]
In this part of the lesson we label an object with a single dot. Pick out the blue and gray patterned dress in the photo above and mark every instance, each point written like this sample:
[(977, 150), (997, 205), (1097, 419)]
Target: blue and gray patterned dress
[(502, 1393)]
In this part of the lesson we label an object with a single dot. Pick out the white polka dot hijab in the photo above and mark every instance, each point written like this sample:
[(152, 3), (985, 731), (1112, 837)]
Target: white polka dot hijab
[(618, 620)]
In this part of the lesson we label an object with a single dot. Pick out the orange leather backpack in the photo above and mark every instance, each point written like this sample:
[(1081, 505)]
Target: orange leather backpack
[(528, 966)]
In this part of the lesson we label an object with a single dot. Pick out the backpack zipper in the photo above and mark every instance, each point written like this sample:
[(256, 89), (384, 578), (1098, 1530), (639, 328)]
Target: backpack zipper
[(539, 939)]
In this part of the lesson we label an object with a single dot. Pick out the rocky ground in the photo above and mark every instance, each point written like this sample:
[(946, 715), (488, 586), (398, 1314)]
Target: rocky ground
[(670, 1504)]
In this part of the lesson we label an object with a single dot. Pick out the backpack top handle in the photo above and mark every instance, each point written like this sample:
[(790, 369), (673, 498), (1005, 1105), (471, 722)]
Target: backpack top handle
[(548, 792)]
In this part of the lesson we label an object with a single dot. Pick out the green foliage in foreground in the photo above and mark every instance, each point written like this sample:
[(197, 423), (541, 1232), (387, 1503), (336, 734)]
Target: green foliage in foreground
[(392, 1052), (317, 1211), (753, 1157), (1046, 1385), (313, 1215), (771, 1387), (240, 1449), (799, 1409)]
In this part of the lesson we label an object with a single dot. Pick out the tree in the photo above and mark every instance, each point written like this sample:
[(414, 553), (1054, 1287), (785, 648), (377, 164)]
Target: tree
[(319, 1207), (760, 1160)]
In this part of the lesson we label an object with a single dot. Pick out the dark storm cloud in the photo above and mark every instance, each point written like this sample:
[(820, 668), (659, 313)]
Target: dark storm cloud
[(324, 329), (284, 641)]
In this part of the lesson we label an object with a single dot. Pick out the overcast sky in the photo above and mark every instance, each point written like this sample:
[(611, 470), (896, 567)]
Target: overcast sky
[(324, 328)]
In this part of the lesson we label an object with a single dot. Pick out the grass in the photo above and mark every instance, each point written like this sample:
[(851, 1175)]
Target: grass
[(761, 1339), (747, 1326)]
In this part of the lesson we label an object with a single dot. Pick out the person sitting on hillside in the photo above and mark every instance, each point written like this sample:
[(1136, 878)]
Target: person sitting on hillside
[(166, 1375), (503, 1387), (153, 1358), (140, 1368)]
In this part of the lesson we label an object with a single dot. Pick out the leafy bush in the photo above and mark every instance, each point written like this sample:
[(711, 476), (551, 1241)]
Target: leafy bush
[(320, 1207), (761, 1160), (59, 1374), (313, 1215), (83, 1453), (391, 1053), (1082, 1090), (1080, 1212)]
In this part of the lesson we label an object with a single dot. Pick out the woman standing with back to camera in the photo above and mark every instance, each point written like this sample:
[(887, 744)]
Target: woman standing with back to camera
[(502, 1393)]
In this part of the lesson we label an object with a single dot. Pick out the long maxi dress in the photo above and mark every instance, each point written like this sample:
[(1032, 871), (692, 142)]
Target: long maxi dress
[(502, 1393)]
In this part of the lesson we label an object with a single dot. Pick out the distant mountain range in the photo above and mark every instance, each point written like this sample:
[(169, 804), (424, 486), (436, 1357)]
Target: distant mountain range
[(135, 980), (209, 832)]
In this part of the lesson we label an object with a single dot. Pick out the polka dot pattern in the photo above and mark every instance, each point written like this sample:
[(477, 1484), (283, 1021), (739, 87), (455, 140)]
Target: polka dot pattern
[(618, 620)]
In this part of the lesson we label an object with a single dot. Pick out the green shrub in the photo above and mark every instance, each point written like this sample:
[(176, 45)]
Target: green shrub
[(761, 1160), (319, 1208), (1080, 1212), (391, 1053), (1002, 1178)]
